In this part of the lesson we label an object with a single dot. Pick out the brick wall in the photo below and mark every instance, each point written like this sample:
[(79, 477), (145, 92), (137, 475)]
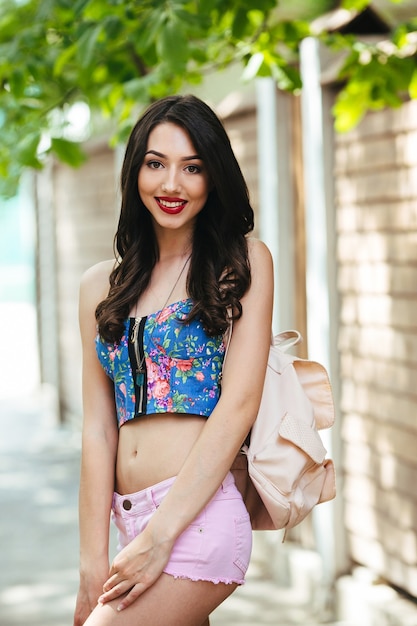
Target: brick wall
[(376, 200)]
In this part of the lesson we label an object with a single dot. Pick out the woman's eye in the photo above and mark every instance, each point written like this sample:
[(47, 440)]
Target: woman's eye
[(154, 165), (193, 169)]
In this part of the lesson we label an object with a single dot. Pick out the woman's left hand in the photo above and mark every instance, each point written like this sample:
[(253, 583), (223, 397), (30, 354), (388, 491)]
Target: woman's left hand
[(135, 568)]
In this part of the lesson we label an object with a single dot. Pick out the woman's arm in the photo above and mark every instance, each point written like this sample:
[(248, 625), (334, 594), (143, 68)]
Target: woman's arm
[(142, 561), (99, 441)]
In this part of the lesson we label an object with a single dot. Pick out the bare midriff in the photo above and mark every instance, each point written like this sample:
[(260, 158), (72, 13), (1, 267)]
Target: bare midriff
[(153, 448)]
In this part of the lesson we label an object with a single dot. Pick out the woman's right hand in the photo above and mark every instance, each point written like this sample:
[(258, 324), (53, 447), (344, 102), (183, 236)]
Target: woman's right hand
[(136, 567), (87, 597)]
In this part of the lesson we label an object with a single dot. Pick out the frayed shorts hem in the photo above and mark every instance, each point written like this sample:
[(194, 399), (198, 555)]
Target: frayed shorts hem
[(215, 581), (216, 546)]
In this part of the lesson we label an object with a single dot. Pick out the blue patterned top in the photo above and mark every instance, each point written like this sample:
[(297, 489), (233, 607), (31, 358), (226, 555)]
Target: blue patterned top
[(182, 365)]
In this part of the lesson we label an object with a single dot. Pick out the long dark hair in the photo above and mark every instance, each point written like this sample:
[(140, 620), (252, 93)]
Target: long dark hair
[(219, 273)]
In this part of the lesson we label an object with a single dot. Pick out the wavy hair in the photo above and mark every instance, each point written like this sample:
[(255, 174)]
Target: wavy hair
[(219, 272)]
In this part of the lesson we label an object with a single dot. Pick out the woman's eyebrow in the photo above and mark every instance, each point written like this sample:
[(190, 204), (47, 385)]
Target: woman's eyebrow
[(164, 156)]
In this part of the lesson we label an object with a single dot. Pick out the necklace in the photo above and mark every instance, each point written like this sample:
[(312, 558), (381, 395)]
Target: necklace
[(170, 293), (140, 358)]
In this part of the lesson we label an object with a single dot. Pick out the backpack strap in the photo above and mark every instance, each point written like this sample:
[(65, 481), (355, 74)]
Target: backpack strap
[(287, 339)]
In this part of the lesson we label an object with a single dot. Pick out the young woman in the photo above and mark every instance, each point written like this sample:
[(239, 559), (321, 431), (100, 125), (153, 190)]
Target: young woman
[(163, 419)]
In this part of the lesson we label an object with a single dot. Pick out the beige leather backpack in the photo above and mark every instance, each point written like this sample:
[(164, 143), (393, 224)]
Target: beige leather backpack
[(283, 472)]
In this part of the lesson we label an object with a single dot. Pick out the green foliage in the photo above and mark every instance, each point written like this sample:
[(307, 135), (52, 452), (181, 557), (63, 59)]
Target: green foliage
[(117, 55), (356, 5), (376, 75), (68, 151)]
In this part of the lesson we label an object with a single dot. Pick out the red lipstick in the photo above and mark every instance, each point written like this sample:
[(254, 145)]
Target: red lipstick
[(169, 205)]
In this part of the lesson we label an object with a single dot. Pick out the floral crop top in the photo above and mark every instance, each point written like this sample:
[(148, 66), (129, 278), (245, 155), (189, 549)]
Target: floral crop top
[(162, 364)]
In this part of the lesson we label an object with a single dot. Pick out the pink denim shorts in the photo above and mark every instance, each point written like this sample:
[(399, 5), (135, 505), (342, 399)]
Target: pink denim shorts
[(215, 547)]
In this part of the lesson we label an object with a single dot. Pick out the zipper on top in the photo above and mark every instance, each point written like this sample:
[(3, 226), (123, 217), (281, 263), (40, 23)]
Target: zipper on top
[(137, 357)]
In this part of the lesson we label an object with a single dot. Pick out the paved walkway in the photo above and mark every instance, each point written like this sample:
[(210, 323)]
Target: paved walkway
[(38, 517)]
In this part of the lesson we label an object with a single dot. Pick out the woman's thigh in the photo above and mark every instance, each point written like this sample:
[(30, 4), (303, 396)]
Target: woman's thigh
[(169, 602)]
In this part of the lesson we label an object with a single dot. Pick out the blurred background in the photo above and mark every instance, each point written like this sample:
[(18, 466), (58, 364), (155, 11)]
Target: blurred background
[(319, 100)]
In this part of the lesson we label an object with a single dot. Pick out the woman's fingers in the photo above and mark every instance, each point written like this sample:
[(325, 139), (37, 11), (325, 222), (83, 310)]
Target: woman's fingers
[(114, 592), (133, 594), (114, 580), (133, 570), (122, 588), (121, 583)]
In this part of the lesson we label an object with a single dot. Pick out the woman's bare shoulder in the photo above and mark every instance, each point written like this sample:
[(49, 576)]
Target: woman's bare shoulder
[(98, 272), (95, 282), (258, 252)]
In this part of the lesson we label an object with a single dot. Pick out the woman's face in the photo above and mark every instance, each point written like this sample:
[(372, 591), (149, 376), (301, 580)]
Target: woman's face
[(173, 182)]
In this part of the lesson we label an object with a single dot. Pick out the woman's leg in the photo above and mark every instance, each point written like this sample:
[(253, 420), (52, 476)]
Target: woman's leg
[(169, 602)]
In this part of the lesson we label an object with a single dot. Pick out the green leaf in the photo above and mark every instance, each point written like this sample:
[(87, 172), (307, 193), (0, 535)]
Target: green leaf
[(148, 31), (240, 22), (253, 66), (172, 46), (17, 82), (27, 150), (9, 184), (136, 88), (113, 27), (79, 6), (199, 22), (349, 108), (413, 85), (288, 78), (63, 58), (357, 5), (68, 151), (87, 45)]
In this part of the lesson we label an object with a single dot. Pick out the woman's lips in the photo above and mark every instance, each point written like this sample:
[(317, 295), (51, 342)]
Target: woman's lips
[(171, 205)]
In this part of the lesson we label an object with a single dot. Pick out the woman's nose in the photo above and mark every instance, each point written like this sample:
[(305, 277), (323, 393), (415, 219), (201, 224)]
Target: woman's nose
[(171, 181)]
